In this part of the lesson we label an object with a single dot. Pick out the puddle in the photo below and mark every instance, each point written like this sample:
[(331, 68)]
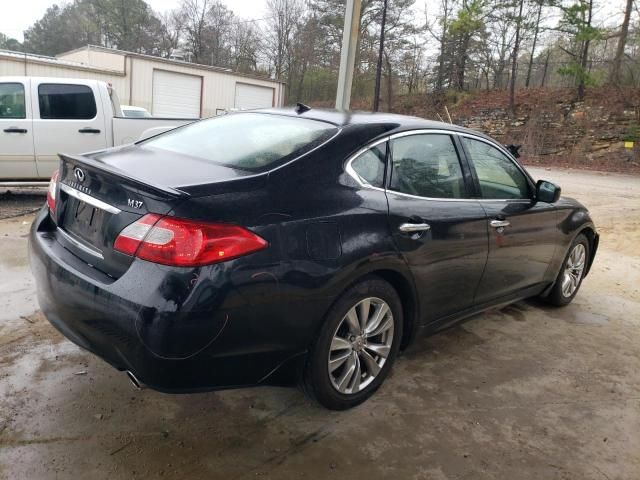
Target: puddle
[(588, 318)]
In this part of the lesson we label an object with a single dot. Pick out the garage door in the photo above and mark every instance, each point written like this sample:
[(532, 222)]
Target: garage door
[(176, 95), (253, 96)]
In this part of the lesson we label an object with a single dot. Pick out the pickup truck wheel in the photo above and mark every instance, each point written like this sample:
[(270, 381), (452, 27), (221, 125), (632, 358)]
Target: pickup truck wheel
[(356, 347)]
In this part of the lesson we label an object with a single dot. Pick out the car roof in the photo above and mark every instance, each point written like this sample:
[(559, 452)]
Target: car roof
[(343, 118)]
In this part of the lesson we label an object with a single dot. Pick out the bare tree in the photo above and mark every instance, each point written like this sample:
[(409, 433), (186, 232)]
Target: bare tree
[(514, 61), (622, 41), (194, 13), (284, 16)]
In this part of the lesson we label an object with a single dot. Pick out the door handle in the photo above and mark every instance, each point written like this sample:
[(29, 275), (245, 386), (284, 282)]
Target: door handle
[(89, 130), (15, 130), (414, 227), (499, 223)]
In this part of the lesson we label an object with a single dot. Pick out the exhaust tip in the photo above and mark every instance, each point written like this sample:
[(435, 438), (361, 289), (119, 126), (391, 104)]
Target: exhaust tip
[(134, 380)]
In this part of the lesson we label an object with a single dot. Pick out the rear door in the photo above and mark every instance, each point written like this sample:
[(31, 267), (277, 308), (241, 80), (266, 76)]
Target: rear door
[(522, 231), (67, 118), (17, 160), (439, 229)]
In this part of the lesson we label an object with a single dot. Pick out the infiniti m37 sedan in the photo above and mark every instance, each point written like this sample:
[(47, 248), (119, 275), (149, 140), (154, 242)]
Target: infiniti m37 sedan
[(295, 246)]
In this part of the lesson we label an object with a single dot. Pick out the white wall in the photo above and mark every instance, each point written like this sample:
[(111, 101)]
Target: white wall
[(14, 67), (219, 89), (136, 86), (96, 58)]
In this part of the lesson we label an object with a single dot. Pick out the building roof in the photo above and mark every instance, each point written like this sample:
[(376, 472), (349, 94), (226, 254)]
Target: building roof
[(181, 63), (54, 61)]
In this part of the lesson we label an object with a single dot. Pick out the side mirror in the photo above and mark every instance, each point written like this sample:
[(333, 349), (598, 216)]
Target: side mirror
[(547, 192)]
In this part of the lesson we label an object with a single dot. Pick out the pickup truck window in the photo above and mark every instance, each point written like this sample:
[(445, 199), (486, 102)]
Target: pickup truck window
[(12, 100), (66, 102)]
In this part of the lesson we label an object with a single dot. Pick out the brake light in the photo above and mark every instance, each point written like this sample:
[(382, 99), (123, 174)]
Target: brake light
[(185, 243), (51, 193)]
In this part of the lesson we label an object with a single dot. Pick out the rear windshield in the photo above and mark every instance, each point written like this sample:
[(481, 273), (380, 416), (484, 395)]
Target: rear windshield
[(248, 141)]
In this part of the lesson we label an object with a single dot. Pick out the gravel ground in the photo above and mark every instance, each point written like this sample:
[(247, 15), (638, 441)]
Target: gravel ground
[(15, 202), (526, 392)]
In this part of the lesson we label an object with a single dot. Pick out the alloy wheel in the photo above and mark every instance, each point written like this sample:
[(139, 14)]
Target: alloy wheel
[(360, 345), (574, 270)]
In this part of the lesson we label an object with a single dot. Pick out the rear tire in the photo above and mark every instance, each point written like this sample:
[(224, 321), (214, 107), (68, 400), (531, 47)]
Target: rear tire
[(356, 347), (571, 273)]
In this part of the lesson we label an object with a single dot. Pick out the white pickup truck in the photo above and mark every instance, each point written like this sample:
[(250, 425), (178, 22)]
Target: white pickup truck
[(41, 117)]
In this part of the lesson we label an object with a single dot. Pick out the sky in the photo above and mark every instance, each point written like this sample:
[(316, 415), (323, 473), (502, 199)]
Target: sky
[(19, 19)]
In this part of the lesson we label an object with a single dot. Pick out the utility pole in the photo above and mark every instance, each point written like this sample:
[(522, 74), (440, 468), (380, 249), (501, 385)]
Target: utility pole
[(376, 95), (348, 53)]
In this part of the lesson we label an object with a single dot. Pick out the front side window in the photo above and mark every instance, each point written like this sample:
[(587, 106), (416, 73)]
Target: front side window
[(12, 100), (498, 175), (248, 141), (66, 102), (369, 166), (426, 165)]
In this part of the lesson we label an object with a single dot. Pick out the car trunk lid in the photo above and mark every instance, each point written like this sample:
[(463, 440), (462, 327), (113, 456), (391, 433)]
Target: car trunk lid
[(95, 201)]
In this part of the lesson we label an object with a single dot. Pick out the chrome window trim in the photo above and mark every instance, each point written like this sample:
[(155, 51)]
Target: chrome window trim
[(353, 174), (88, 199), (80, 245), (427, 132), (360, 181)]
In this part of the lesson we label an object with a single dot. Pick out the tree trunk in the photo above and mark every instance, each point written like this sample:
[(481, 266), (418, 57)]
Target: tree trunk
[(376, 94), (461, 62), (389, 82), (585, 56), (533, 47), (622, 42), (546, 65), (443, 46), (514, 62)]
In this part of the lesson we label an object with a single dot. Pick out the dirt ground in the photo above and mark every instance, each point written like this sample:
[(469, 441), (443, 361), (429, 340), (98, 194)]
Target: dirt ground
[(527, 392)]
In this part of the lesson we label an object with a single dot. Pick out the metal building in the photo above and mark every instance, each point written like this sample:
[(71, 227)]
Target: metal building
[(167, 88)]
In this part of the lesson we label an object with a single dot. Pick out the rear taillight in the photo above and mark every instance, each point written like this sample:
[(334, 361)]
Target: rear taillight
[(185, 243), (51, 193)]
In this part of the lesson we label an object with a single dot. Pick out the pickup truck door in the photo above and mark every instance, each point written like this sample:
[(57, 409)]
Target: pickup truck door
[(67, 118), (17, 161)]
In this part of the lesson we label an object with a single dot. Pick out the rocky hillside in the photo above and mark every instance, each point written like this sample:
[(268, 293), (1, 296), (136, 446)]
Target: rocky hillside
[(550, 125)]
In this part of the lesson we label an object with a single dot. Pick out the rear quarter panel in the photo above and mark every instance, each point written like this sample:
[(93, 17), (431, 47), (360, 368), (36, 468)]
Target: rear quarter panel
[(324, 232)]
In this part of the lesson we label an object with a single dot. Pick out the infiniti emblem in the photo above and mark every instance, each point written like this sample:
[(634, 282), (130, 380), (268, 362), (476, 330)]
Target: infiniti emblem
[(79, 174)]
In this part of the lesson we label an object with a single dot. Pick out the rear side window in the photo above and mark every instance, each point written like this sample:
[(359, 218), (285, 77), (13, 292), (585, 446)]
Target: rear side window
[(248, 141), (12, 100), (426, 166), (369, 166), (66, 102)]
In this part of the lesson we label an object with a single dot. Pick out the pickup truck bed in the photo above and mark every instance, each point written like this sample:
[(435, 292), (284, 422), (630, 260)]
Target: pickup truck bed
[(42, 117)]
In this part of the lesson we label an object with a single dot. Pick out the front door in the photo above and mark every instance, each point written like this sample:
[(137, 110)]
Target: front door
[(522, 231), (67, 119), (437, 227), (16, 133)]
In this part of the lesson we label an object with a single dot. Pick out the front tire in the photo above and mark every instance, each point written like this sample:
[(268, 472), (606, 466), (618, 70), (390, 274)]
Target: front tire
[(357, 345), (571, 273)]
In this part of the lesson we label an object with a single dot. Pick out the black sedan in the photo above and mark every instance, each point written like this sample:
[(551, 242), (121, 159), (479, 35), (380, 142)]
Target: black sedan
[(295, 246)]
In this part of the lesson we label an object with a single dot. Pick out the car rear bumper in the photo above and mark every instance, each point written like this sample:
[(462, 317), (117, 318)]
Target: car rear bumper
[(176, 330)]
